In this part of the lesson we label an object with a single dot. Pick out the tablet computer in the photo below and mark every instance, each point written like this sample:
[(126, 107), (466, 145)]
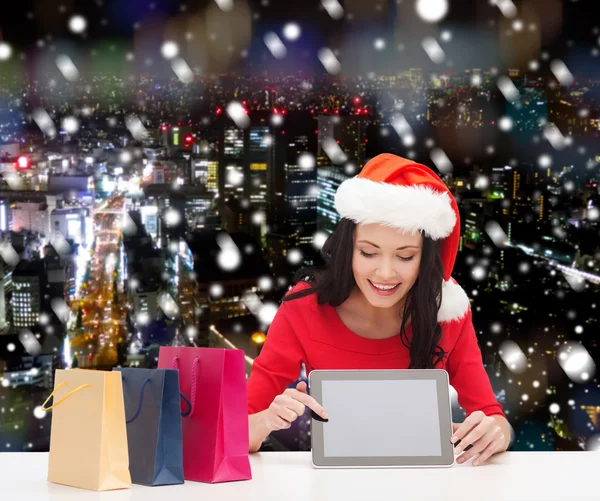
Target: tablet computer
[(382, 418)]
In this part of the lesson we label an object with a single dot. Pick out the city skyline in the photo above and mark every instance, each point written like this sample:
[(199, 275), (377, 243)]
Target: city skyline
[(141, 210)]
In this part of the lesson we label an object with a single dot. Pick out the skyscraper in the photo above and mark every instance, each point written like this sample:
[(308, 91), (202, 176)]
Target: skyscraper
[(27, 279), (301, 189), (349, 132), (328, 181)]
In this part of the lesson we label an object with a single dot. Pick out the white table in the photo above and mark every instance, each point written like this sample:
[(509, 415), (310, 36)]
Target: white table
[(277, 476)]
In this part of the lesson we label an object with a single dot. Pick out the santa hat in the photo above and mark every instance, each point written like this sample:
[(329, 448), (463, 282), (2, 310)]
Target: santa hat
[(397, 192)]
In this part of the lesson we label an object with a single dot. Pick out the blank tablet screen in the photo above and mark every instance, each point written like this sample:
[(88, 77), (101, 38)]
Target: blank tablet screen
[(373, 419)]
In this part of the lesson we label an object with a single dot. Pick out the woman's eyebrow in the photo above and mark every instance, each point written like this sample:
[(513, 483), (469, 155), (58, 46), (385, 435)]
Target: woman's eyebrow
[(399, 248)]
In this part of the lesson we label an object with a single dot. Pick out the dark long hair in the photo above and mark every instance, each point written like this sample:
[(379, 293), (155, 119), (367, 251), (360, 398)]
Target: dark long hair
[(334, 282)]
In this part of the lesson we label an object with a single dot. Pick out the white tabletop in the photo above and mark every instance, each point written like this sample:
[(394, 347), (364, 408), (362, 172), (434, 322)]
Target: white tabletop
[(544, 476)]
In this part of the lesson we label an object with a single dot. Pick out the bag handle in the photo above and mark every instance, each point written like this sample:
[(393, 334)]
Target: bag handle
[(192, 405), (70, 394), (139, 409)]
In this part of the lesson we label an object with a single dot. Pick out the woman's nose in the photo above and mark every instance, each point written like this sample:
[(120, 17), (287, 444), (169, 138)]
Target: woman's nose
[(386, 270)]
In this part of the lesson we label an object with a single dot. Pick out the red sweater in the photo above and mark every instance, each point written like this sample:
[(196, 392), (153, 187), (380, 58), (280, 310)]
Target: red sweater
[(305, 332)]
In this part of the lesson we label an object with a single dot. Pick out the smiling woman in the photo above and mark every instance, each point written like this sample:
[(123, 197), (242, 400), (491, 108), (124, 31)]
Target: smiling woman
[(380, 280), (388, 270), (385, 299)]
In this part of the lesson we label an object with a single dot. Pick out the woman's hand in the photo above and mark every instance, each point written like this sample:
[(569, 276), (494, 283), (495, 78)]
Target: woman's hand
[(292, 403), (480, 431)]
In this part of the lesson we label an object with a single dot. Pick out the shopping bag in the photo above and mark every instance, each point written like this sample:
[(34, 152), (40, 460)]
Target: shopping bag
[(153, 426), (215, 433), (88, 437)]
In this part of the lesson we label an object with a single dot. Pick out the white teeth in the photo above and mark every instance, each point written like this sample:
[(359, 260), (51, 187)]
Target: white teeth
[(384, 288)]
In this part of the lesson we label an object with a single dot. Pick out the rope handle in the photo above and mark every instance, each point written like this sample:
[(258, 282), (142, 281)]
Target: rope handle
[(192, 405), (71, 393), (139, 409), (189, 404)]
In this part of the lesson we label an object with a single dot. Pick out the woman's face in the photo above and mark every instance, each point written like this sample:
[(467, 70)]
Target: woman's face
[(385, 263)]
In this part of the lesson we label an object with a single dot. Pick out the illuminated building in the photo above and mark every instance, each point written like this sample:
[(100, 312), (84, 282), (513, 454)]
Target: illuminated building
[(28, 282), (593, 411), (328, 181)]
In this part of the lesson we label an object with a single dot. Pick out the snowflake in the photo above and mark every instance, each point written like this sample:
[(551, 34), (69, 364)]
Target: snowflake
[(70, 125), (292, 31), (333, 8), (379, 44), (333, 150), (505, 124), (238, 114), (295, 256), (441, 160), (306, 160), (67, 67), (513, 357), (267, 312), (60, 309), (169, 49), (561, 72), (508, 89), (275, 45), (433, 49), (432, 11), (77, 24), (478, 273), (5, 51), (319, 239), (225, 5), (265, 283), (446, 36), (545, 160), (329, 61)]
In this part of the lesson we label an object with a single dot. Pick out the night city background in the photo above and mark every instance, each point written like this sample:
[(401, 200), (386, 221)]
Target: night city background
[(166, 167)]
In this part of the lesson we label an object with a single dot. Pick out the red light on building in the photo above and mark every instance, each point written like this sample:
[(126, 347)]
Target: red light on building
[(164, 128), (275, 111), (219, 111), (357, 100), (23, 162), (189, 139)]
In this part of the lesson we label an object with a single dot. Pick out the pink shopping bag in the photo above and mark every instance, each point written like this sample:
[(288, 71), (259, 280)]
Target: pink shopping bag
[(215, 432)]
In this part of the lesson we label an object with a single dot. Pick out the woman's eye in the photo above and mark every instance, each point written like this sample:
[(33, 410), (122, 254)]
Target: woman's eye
[(365, 254)]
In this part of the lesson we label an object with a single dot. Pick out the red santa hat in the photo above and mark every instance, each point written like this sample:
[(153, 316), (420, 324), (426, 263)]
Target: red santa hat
[(397, 192)]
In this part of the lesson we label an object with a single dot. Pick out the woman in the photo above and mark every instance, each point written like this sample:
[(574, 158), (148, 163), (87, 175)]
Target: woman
[(387, 277)]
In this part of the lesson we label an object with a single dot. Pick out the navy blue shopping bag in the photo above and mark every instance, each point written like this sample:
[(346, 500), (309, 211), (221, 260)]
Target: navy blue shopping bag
[(152, 410)]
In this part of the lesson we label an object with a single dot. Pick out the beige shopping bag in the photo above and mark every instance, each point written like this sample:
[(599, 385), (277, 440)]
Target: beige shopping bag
[(88, 438)]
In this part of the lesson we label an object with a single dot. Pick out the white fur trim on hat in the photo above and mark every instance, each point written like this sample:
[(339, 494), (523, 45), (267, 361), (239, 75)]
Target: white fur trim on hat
[(455, 302), (411, 208)]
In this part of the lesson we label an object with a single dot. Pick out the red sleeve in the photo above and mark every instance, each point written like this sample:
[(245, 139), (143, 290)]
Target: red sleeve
[(278, 364), (468, 376)]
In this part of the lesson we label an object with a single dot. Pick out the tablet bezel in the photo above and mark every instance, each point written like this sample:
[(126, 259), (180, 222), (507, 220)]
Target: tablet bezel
[(441, 378)]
